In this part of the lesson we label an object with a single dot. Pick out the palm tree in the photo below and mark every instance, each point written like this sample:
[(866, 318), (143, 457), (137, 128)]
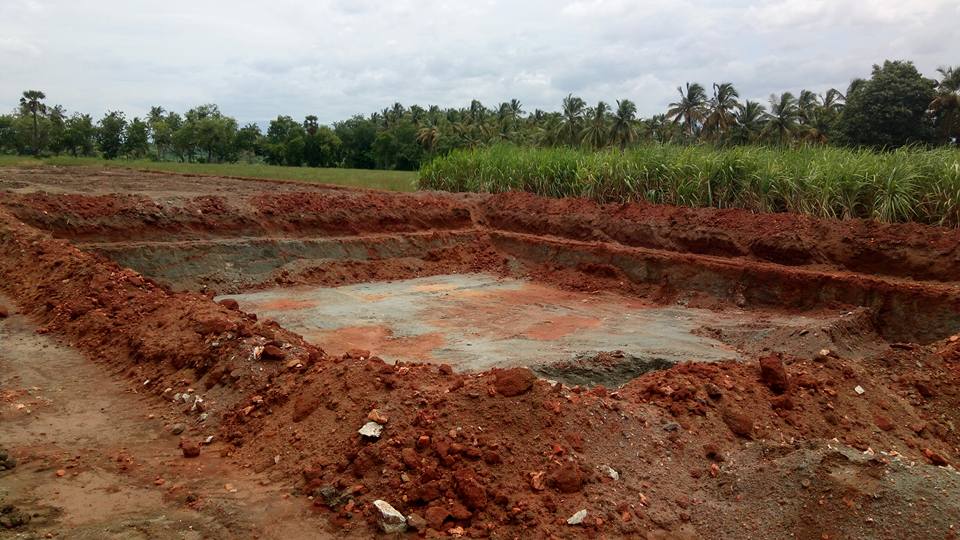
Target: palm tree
[(833, 100), (623, 132), (750, 118), (722, 105), (946, 105), (595, 133), (807, 103), (516, 108), (32, 103), (783, 118), (428, 136), (573, 109), (691, 109)]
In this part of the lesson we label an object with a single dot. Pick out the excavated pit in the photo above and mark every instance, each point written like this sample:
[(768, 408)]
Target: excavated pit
[(584, 294), (479, 282), (579, 312)]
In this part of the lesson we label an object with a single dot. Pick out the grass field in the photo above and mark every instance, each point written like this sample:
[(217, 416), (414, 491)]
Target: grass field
[(390, 180), (903, 185)]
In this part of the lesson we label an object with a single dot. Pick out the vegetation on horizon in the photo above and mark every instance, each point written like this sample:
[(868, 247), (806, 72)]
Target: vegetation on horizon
[(907, 184), (896, 106)]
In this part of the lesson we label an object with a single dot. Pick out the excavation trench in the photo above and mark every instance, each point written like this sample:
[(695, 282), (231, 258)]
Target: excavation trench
[(579, 312), (478, 283)]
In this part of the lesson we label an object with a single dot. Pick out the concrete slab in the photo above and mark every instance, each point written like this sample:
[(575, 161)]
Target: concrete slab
[(477, 321)]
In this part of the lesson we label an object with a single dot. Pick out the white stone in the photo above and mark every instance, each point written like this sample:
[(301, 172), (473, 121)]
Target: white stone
[(859, 390), (610, 471), (577, 518), (371, 429), (391, 521)]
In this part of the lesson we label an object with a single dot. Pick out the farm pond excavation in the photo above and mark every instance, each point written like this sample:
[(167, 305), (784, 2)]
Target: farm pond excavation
[(209, 357)]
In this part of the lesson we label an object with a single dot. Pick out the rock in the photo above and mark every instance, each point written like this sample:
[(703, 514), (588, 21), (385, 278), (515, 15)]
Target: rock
[(883, 422), (610, 471), (177, 429), (773, 373), (377, 416), (739, 423), (514, 381), (391, 521), (782, 403), (459, 512), (371, 429), (4, 312), (11, 518), (713, 391), (822, 355), (230, 303), (671, 426), (859, 390), (191, 449), (567, 479), (435, 516), (416, 522), (272, 352), (935, 458), (577, 518), (470, 490)]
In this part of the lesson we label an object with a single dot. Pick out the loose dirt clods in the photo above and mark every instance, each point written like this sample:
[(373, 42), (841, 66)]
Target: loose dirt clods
[(660, 372)]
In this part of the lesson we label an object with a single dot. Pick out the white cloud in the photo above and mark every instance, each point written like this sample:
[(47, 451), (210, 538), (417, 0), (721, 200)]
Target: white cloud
[(335, 58)]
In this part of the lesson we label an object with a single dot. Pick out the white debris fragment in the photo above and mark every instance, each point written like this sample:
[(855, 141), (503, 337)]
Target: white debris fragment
[(391, 521), (859, 390), (371, 429), (610, 471), (577, 518)]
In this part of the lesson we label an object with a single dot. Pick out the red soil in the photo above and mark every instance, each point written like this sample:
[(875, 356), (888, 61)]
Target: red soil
[(702, 450)]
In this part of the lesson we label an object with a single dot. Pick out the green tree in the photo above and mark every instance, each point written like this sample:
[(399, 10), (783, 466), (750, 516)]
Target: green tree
[(110, 131), (691, 109), (623, 131), (783, 120), (357, 135), (31, 103), (889, 109), (595, 134), (136, 141), (750, 118), (573, 113), (945, 106), (721, 109), (80, 135)]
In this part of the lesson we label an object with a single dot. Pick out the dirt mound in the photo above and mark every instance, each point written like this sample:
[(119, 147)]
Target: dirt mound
[(907, 250)]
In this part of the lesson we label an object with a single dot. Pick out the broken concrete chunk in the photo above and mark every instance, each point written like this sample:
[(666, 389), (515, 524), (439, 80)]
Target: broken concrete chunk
[(859, 390), (577, 518), (391, 521), (371, 429)]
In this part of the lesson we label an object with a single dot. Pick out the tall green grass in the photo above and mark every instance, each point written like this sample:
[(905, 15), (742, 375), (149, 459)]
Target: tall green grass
[(908, 184)]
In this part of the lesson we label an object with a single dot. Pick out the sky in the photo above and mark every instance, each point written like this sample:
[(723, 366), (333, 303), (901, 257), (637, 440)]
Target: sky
[(334, 59)]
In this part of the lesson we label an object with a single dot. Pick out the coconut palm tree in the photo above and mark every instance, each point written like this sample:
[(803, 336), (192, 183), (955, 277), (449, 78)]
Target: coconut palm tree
[(783, 120), (691, 109), (573, 110), (833, 100), (750, 118), (946, 105), (595, 132), (32, 103), (721, 109), (428, 136), (807, 103), (623, 132)]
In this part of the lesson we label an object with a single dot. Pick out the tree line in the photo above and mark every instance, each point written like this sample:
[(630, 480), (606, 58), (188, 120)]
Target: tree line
[(896, 106)]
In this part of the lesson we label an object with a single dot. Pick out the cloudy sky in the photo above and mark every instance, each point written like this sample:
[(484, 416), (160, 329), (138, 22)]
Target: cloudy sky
[(332, 58)]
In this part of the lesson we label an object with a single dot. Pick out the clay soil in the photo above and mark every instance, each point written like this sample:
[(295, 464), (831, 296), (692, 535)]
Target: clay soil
[(133, 405)]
